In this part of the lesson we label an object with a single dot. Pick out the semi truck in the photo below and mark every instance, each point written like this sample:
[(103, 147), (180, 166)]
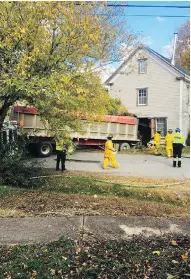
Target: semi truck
[(123, 128)]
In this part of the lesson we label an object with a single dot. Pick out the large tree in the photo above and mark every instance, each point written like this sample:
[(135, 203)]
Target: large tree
[(48, 53), (183, 46)]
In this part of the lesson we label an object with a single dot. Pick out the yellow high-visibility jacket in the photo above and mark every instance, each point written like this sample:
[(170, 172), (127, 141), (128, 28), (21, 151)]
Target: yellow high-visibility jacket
[(168, 140), (108, 148), (59, 145), (178, 138), (157, 139)]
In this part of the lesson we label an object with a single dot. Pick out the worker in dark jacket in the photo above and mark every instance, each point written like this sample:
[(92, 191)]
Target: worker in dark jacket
[(178, 144), (61, 154)]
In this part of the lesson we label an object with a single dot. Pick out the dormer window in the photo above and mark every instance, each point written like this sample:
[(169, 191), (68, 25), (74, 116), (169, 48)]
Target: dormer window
[(142, 66)]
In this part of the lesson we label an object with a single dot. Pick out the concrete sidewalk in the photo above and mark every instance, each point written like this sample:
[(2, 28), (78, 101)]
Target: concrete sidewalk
[(45, 229)]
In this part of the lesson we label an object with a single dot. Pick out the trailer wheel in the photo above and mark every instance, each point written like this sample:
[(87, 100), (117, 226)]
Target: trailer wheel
[(124, 146), (44, 149)]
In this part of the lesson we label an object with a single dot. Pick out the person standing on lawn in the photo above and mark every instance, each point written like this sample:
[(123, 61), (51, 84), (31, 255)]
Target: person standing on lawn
[(109, 155), (168, 143), (178, 144), (157, 137), (61, 154)]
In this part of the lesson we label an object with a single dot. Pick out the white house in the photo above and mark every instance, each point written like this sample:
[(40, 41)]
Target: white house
[(153, 89)]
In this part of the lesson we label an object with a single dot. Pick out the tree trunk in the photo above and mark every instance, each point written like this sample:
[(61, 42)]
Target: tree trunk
[(3, 112)]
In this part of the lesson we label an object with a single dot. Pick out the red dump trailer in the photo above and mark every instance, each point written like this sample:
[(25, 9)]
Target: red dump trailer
[(123, 128)]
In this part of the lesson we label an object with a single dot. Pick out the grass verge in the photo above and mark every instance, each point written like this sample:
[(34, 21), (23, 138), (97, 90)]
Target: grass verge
[(71, 194)]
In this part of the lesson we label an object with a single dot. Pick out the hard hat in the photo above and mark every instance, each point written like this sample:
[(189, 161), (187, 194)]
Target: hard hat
[(158, 130), (170, 130), (177, 130), (110, 136)]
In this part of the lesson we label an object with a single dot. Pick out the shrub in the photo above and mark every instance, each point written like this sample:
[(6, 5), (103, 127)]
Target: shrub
[(15, 167)]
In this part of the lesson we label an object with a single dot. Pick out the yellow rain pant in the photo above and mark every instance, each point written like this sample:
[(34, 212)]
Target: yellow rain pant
[(111, 159), (156, 143), (109, 156), (168, 142), (169, 152)]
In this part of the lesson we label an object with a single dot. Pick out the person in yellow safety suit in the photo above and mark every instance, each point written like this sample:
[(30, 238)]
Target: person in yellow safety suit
[(108, 155), (178, 144), (168, 143), (157, 142)]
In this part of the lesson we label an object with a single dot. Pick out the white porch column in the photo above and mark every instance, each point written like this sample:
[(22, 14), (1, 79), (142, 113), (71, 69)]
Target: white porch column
[(180, 107)]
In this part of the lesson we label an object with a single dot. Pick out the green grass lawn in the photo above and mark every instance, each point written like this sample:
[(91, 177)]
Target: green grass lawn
[(163, 257), (89, 186), (96, 194), (10, 191)]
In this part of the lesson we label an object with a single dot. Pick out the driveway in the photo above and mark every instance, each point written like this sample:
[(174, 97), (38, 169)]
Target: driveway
[(130, 165)]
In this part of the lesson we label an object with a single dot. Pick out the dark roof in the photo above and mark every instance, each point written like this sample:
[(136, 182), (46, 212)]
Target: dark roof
[(166, 60), (176, 66)]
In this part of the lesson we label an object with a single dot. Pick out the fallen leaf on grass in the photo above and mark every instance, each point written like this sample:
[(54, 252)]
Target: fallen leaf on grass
[(175, 262), (78, 249), (169, 276), (173, 242), (45, 251), (185, 257), (34, 273), (59, 272), (52, 272), (156, 252)]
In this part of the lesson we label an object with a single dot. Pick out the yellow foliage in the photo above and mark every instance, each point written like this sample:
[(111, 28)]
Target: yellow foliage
[(55, 48), (23, 30)]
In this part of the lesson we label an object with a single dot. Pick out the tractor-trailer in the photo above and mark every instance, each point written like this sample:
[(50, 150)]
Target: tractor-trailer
[(123, 128)]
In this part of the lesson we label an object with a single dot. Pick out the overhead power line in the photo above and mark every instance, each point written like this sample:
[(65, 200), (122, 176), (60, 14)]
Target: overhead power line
[(139, 6), (159, 15), (147, 6)]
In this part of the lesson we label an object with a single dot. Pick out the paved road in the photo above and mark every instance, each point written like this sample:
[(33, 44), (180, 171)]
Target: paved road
[(130, 165), (45, 229)]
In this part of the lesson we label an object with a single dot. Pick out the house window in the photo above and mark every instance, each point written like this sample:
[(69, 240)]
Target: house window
[(142, 97), (161, 125), (142, 66)]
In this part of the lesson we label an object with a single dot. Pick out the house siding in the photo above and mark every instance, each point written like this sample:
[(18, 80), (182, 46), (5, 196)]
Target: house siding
[(163, 90), (186, 110)]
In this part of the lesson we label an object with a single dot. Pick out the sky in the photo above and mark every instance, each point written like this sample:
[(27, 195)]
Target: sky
[(156, 32)]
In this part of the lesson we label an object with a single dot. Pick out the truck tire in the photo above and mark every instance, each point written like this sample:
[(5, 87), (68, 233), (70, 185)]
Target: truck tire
[(44, 149), (124, 146)]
